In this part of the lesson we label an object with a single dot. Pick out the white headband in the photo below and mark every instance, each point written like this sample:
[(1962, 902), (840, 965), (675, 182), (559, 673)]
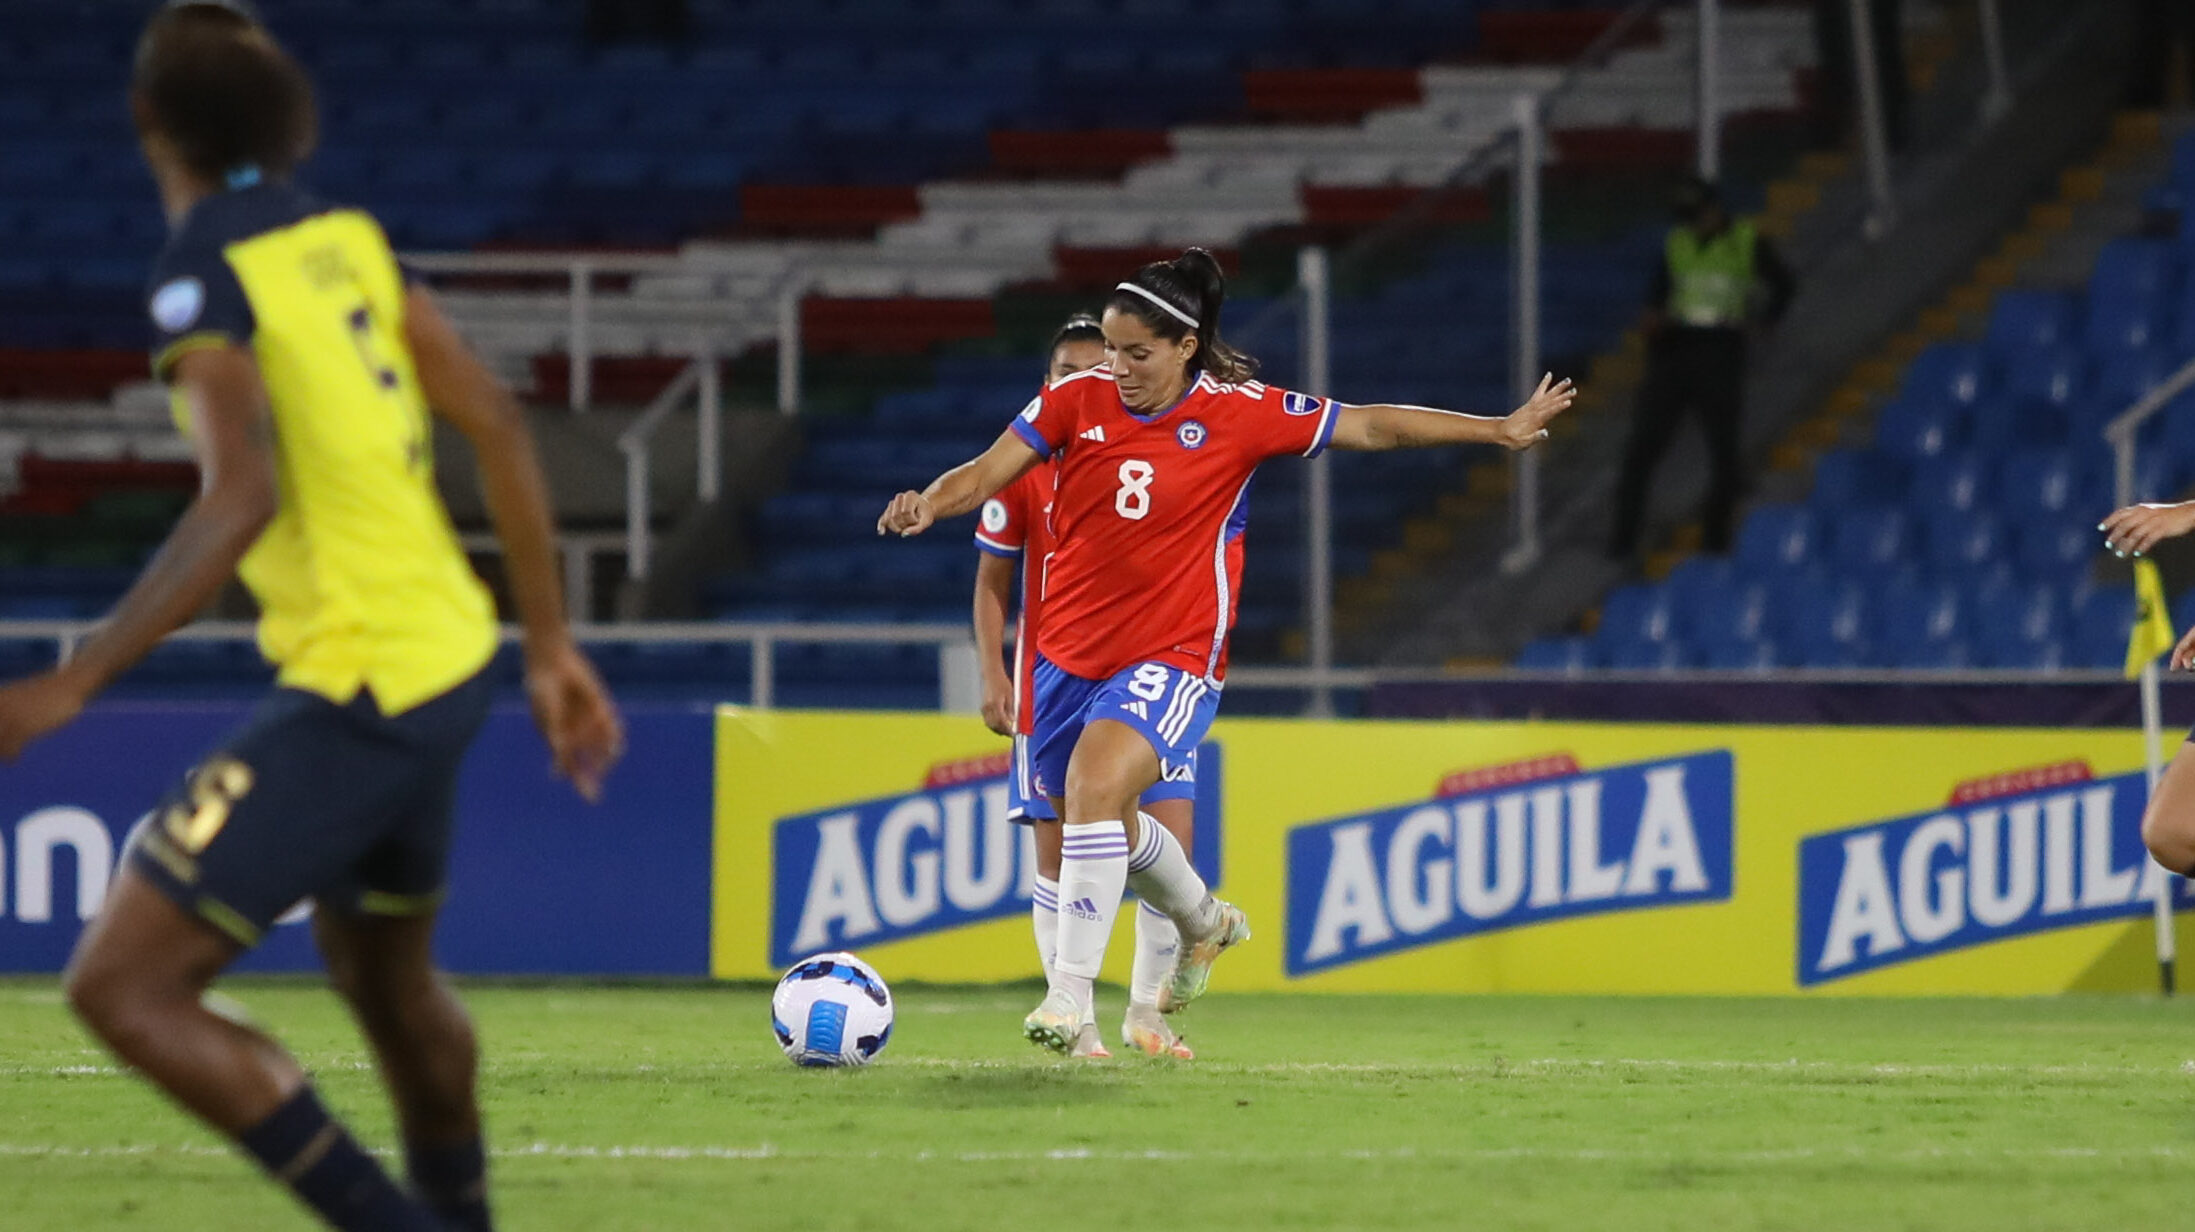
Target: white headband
[(1171, 311)]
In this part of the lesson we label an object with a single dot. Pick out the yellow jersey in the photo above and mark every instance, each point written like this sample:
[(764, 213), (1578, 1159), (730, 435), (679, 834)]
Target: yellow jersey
[(360, 579)]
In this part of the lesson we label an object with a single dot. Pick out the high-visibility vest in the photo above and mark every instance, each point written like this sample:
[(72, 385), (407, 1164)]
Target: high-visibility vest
[(1710, 281)]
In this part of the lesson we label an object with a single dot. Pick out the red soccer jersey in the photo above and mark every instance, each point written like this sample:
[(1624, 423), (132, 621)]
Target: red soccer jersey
[(1017, 524), (1148, 515)]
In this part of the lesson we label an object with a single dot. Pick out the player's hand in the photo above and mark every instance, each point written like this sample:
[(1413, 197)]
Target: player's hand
[(2136, 529), (998, 705), (908, 514), (2183, 655), (36, 707), (1527, 425), (576, 716)]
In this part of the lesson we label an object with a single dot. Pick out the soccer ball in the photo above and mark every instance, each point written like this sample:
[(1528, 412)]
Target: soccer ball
[(832, 1010)]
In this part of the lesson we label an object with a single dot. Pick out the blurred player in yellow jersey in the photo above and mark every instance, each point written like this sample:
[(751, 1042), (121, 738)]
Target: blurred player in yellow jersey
[(303, 368)]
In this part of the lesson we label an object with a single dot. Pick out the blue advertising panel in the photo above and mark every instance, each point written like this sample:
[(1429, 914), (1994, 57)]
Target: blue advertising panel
[(540, 882)]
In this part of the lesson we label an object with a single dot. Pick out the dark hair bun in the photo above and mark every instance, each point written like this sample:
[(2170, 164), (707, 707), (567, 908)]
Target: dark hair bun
[(1201, 270)]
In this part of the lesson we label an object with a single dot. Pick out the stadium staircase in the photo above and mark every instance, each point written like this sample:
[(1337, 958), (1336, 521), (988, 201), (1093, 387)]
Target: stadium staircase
[(1957, 474)]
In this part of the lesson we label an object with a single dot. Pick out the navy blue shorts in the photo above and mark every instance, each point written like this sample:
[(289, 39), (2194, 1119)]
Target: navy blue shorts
[(309, 799)]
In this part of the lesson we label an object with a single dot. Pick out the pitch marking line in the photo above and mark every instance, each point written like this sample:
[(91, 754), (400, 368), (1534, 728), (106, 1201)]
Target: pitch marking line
[(1469, 1069), (767, 1152)]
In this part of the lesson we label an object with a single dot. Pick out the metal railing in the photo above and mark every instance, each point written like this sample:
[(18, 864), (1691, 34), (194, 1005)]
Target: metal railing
[(955, 644), (577, 550), (581, 273), (701, 381), (959, 684)]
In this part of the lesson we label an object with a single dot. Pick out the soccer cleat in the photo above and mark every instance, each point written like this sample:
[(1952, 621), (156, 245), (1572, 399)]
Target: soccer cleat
[(1054, 1023), (1147, 1033), (1193, 967), (1090, 1044)]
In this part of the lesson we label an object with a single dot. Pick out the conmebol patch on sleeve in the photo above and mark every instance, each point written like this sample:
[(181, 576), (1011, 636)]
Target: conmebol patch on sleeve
[(2023, 852), (1508, 847)]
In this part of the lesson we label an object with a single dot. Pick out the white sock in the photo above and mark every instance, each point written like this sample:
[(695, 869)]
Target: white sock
[(1093, 874), (1044, 919), (1157, 942), (1161, 873), (1044, 922)]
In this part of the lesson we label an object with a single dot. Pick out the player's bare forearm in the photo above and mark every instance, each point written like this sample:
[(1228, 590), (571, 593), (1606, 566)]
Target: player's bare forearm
[(463, 391), (994, 595), (237, 497), (961, 489), (1382, 426)]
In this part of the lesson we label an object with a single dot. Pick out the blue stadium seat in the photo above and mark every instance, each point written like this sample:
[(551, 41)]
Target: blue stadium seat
[(1646, 656), (2126, 270), (1955, 543), (1913, 429), (1741, 656), (1637, 614), (2056, 551), (2099, 625), (2051, 374), (1776, 537), (1556, 654), (1928, 656), (1950, 373), (2116, 326), (2013, 625), (2039, 481), (1848, 477), (1917, 612), (1732, 616), (1959, 481), (1814, 613), (1869, 540), (2022, 322), (1697, 582)]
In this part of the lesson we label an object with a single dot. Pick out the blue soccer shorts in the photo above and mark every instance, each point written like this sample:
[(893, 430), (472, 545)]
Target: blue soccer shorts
[(1027, 806), (1170, 708)]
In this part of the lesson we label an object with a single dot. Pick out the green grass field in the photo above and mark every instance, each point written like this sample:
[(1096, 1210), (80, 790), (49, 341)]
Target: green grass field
[(670, 1107)]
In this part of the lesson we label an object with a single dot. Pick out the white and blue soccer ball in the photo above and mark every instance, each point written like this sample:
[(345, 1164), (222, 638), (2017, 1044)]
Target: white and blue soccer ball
[(832, 1010)]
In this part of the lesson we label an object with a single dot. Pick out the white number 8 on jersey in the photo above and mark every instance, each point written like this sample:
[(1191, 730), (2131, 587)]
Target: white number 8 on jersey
[(1133, 501)]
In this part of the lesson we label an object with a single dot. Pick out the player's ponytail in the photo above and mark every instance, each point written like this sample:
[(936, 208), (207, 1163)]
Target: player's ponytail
[(215, 84), (1183, 296)]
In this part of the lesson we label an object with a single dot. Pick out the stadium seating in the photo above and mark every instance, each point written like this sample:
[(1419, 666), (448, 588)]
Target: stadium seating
[(1964, 536)]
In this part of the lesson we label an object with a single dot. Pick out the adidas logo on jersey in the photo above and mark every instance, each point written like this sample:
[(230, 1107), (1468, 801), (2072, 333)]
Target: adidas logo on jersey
[(1094, 434), (1141, 710)]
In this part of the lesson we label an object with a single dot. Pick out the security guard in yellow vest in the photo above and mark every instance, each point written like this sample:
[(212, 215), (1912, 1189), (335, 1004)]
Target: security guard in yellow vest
[(1702, 299)]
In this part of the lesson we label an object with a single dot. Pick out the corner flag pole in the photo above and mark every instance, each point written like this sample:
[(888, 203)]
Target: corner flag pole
[(2164, 879)]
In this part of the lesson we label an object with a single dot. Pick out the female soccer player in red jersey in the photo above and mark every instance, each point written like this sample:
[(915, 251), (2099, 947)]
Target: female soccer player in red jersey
[(1015, 527), (1156, 452), (2168, 825)]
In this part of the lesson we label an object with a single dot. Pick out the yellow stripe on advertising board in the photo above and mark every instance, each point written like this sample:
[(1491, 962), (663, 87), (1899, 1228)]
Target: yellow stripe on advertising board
[(1475, 857)]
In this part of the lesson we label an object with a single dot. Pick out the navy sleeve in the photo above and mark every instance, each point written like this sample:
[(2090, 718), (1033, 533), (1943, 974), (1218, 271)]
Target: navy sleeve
[(196, 301)]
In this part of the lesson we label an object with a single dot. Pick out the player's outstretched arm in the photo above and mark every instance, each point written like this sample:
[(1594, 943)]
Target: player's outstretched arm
[(237, 497), (1381, 426), (2136, 529), (569, 701), (960, 489)]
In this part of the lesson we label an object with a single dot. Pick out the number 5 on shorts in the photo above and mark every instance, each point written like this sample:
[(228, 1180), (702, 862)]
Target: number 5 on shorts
[(215, 788)]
